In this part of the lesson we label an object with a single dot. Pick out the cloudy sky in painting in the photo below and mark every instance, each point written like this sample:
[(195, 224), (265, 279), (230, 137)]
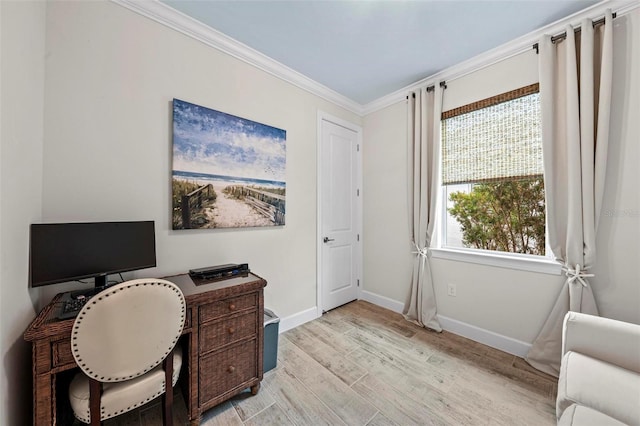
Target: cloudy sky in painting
[(209, 141)]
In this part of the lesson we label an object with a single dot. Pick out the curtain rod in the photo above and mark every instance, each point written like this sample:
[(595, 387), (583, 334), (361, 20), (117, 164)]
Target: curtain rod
[(443, 85), (563, 35), (429, 89)]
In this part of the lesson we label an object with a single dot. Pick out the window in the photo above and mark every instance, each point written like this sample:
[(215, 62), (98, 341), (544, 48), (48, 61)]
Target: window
[(493, 187)]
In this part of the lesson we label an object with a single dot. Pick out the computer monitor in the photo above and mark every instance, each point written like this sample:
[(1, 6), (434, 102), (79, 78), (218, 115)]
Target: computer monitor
[(62, 252)]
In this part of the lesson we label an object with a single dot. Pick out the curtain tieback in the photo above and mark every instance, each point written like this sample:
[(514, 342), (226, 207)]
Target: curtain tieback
[(576, 274), (424, 252)]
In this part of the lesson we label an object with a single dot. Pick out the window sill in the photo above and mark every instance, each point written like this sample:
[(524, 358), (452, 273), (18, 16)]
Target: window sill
[(538, 264)]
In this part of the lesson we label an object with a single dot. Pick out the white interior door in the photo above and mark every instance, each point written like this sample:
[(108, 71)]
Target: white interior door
[(339, 231)]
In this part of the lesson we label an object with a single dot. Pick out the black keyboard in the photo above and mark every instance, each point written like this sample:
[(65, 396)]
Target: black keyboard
[(71, 307)]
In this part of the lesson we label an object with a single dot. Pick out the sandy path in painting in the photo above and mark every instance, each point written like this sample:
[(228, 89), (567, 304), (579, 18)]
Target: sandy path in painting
[(228, 212)]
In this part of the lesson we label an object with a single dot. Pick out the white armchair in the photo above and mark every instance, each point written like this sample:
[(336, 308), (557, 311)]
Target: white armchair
[(599, 381)]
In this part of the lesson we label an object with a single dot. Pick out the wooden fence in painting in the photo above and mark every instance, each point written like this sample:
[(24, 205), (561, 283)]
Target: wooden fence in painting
[(266, 203), (193, 200)]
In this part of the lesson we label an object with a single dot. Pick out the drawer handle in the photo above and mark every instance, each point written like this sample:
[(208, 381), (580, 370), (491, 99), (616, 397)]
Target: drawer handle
[(232, 307), (231, 369), (232, 330)]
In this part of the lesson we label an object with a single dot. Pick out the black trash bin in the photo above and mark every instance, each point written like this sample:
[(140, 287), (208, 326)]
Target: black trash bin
[(271, 326)]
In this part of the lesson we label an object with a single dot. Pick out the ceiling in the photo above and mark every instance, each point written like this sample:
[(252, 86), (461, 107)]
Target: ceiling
[(367, 49)]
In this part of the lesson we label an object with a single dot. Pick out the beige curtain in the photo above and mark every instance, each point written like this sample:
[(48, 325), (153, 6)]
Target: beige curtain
[(575, 90), (423, 135)]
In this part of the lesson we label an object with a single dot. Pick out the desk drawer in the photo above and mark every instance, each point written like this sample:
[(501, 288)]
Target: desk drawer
[(221, 372), (216, 334), (227, 306), (61, 353)]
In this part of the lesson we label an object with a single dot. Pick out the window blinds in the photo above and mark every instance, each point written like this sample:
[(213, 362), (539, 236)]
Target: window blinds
[(494, 139)]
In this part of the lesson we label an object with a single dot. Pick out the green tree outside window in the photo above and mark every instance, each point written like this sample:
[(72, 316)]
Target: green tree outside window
[(504, 216)]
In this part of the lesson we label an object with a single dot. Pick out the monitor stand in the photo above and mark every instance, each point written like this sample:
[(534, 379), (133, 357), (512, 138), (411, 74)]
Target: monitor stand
[(100, 283)]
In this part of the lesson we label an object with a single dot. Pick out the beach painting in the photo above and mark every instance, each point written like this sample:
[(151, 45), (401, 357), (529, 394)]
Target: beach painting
[(228, 172)]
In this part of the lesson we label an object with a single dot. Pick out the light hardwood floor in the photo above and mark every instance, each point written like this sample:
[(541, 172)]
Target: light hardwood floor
[(364, 365)]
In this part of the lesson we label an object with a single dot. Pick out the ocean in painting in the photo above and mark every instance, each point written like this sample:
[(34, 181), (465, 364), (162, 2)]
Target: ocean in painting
[(230, 180)]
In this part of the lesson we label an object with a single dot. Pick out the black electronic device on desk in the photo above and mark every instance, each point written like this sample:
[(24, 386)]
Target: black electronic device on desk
[(71, 304), (220, 272)]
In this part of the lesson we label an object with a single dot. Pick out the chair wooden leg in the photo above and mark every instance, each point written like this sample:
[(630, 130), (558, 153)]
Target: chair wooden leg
[(167, 396), (95, 393)]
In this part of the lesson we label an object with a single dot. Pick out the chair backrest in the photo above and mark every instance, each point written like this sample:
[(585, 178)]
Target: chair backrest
[(128, 329)]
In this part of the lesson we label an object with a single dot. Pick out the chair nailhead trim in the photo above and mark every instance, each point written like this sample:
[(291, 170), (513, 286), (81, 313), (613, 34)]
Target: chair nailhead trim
[(94, 301)]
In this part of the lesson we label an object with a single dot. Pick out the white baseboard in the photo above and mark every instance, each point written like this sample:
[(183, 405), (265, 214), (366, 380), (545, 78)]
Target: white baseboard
[(486, 337), (385, 302), (292, 321), (477, 334)]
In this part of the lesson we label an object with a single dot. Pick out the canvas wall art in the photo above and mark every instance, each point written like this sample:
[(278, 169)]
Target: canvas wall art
[(228, 172)]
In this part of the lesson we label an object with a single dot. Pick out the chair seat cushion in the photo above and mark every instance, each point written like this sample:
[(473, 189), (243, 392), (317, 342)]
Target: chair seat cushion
[(579, 415), (120, 397), (603, 387)]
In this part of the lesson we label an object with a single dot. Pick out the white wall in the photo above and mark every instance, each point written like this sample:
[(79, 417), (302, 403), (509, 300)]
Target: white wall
[(111, 76), (517, 71), (508, 302), (387, 248), (22, 35)]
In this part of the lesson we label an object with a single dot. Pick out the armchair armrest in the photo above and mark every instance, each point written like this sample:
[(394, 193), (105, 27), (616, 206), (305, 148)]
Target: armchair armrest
[(609, 340)]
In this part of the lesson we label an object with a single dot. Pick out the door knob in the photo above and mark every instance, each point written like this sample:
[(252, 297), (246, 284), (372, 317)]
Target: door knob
[(327, 239)]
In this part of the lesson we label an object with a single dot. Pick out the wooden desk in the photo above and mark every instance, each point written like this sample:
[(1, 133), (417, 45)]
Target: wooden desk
[(222, 345)]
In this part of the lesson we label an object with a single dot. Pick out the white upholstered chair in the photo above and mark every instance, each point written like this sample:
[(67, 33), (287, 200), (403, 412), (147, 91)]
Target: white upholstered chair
[(124, 340), (599, 381)]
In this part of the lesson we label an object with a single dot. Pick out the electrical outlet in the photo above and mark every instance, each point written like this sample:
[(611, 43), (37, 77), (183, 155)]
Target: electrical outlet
[(451, 290)]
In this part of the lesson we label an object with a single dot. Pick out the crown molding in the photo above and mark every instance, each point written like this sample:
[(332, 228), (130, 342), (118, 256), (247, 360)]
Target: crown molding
[(166, 15), (503, 52)]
